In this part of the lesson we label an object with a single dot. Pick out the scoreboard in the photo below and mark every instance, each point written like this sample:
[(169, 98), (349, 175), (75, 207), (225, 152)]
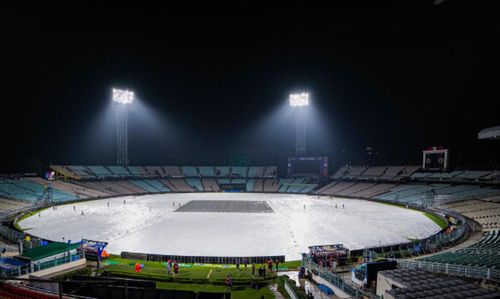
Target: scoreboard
[(308, 166), (435, 159)]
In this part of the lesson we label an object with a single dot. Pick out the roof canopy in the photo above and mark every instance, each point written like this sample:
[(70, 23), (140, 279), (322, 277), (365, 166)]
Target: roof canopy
[(48, 250), (489, 133)]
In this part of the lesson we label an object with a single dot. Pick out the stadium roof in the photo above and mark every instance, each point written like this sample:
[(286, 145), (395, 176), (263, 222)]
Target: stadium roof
[(48, 250), (489, 133)]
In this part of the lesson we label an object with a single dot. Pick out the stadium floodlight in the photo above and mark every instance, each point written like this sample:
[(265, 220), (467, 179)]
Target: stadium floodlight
[(123, 96), (299, 99)]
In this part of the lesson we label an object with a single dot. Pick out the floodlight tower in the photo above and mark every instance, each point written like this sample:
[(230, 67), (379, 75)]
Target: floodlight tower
[(299, 103), (122, 98)]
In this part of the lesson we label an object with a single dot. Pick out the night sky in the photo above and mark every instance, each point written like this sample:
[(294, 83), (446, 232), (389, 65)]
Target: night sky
[(212, 82)]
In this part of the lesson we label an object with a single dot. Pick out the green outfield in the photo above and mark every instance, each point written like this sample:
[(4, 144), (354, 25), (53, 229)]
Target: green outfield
[(198, 277)]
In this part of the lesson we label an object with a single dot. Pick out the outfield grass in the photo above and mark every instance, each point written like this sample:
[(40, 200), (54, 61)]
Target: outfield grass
[(438, 220), (197, 277)]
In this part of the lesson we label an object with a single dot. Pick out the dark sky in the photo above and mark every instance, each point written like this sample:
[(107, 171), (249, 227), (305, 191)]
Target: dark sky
[(213, 82)]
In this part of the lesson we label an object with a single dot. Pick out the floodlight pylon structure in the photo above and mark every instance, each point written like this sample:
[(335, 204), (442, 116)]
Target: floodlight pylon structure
[(299, 103), (122, 100)]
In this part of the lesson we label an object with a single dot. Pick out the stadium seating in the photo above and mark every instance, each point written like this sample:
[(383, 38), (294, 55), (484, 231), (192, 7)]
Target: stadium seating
[(180, 185), (485, 211), (222, 171), (100, 171), (238, 181), (190, 171), (239, 171), (31, 191), (144, 185), (155, 171), (392, 173), (81, 171), (271, 185), (157, 185), (340, 172), (354, 172), (119, 171), (172, 171), (255, 172), (258, 186), (207, 171), (485, 253), (210, 184), (195, 183), (271, 172), (373, 173), (137, 171)]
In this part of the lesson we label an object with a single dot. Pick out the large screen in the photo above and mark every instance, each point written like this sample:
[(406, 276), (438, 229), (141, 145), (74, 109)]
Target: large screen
[(308, 166)]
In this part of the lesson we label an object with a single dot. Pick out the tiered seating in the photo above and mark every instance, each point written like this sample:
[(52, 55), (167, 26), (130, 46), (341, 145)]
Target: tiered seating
[(250, 184), (417, 283), (341, 172), (238, 181), (284, 184), (172, 171), (195, 183), (181, 185), (472, 175), (155, 171), (137, 171), (373, 173), (354, 172), (258, 186), (207, 171), (222, 171), (271, 172), (157, 185), (31, 191), (95, 185), (121, 187), (7, 204), (144, 185), (15, 291), (408, 171), (224, 181), (119, 171), (486, 212), (355, 188), (338, 187), (493, 176), (271, 185), (324, 190), (413, 193), (239, 171), (485, 253), (210, 184), (190, 171), (125, 187), (374, 190), (100, 171), (392, 173), (81, 171), (255, 172)]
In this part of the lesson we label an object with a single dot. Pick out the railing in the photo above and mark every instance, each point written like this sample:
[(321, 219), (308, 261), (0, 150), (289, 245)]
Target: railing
[(34, 266), (452, 269), (290, 291), (201, 259), (335, 279)]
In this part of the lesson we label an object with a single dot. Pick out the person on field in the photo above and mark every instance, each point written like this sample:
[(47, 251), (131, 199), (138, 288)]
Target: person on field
[(253, 269), (270, 265), (229, 280), (176, 268), (169, 267), (276, 262)]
